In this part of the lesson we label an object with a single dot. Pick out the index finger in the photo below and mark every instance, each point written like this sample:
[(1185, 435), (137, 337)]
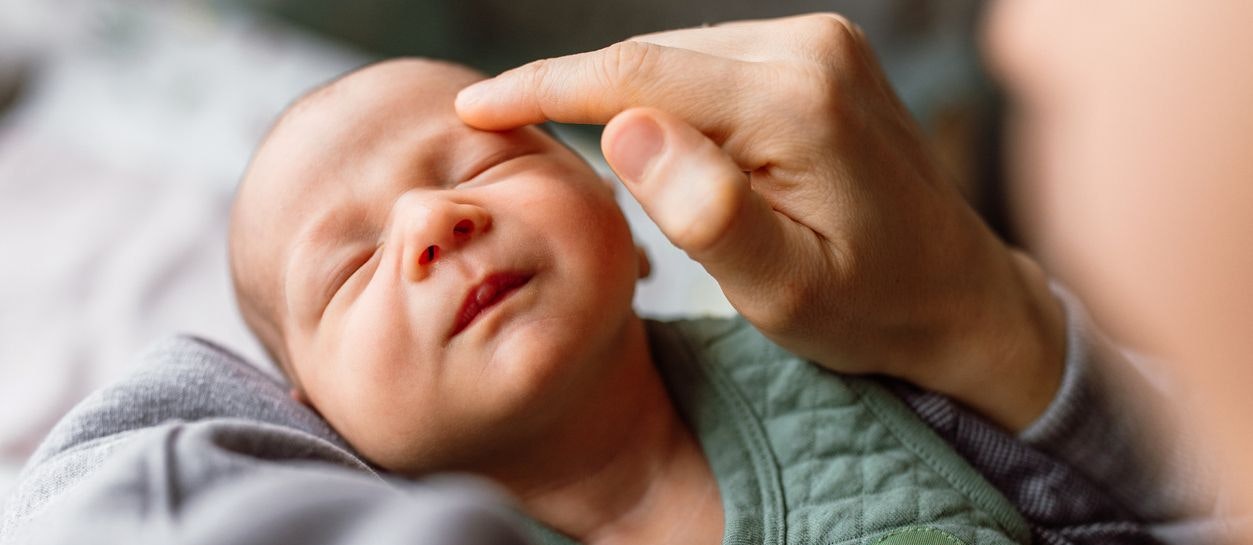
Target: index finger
[(593, 87)]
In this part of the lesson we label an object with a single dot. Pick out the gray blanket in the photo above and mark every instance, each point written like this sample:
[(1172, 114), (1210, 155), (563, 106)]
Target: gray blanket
[(198, 446)]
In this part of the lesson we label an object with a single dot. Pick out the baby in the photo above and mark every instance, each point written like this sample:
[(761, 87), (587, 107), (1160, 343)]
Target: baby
[(450, 299)]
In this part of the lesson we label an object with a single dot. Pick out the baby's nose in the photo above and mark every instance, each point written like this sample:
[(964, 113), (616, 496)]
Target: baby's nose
[(433, 228), (461, 231)]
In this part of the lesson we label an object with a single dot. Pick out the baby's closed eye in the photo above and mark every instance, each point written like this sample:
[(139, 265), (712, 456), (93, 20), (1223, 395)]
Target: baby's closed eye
[(489, 164), (346, 272)]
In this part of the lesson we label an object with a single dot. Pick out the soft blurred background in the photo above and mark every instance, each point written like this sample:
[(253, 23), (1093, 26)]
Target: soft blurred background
[(124, 126)]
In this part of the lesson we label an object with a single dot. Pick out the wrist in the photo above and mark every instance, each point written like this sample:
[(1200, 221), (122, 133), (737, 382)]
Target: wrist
[(1008, 359)]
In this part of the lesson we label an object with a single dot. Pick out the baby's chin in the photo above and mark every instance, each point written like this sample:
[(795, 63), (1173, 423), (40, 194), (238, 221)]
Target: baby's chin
[(538, 356)]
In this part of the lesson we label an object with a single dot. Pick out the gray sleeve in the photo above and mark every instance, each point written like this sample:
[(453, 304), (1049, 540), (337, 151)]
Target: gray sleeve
[(196, 446), (1105, 423)]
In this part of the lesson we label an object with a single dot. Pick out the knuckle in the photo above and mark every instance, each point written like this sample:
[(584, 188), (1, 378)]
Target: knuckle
[(624, 61), (829, 26), (831, 35), (829, 72), (540, 72), (543, 81), (550, 81)]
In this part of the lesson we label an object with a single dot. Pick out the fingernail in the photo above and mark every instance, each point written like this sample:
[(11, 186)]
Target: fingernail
[(635, 147)]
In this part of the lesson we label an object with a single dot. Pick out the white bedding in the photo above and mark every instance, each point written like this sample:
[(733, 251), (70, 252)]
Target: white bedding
[(116, 171)]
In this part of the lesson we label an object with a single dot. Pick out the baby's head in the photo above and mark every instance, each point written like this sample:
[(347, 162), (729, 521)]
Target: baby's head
[(429, 288)]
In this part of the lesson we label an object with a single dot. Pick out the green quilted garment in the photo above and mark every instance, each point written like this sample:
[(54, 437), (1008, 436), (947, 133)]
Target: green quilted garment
[(806, 456)]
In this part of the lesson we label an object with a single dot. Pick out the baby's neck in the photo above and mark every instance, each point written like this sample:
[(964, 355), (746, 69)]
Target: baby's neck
[(624, 468)]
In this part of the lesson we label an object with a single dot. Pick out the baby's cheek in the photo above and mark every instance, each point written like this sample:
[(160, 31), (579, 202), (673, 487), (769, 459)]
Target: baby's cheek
[(377, 345), (613, 238), (367, 396)]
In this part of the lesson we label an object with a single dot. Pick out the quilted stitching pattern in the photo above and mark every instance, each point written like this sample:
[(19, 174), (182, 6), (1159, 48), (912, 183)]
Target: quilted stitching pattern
[(849, 472)]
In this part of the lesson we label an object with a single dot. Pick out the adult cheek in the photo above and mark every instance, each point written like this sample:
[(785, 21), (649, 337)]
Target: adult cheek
[(1072, 187)]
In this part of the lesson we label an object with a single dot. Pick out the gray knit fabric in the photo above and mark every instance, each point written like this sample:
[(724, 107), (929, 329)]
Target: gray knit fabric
[(199, 447), (1090, 469), (1101, 423)]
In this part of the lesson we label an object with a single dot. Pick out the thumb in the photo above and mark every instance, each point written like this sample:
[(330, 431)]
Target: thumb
[(698, 197)]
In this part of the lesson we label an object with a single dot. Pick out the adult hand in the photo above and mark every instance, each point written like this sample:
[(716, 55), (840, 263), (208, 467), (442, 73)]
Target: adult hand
[(776, 154)]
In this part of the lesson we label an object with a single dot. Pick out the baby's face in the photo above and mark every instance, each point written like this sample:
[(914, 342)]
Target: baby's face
[(434, 289)]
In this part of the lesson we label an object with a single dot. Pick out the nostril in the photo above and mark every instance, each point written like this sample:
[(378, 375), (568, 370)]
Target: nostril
[(463, 228), (429, 255)]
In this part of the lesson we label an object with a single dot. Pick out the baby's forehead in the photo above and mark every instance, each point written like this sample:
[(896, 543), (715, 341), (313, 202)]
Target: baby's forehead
[(378, 117), (405, 88)]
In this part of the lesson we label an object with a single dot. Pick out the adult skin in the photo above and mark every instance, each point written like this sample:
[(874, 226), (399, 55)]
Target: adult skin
[(1135, 146), (776, 155)]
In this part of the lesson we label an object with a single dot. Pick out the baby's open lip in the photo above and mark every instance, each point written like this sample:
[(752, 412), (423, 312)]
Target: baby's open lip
[(493, 289)]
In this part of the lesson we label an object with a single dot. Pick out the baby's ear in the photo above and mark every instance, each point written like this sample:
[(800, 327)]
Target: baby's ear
[(645, 266)]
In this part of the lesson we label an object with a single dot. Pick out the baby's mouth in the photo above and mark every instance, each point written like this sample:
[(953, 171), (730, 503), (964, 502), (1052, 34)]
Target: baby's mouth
[(490, 291)]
